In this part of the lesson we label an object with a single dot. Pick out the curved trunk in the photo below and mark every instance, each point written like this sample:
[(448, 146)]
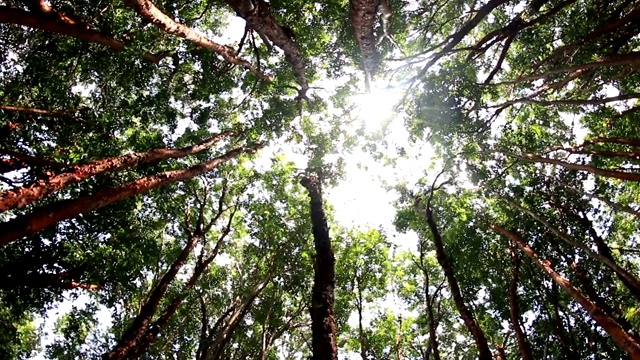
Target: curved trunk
[(628, 279), (323, 323), (129, 340), (257, 14), (147, 10)]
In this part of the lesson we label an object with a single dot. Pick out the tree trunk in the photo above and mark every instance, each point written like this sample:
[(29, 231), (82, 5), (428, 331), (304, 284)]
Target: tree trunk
[(323, 323), (631, 281), (140, 324), (137, 339), (361, 335), (224, 335), (363, 14), (26, 195), (147, 10), (257, 14), (399, 355), (49, 215), (588, 168), (514, 310), (57, 24), (476, 332), (590, 291), (429, 304), (616, 332)]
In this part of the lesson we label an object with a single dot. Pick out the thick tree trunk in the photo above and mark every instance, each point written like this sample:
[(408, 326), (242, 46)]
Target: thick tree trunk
[(514, 309), (363, 14), (614, 329), (61, 24), (23, 196), (470, 322), (323, 322), (49, 215), (259, 18)]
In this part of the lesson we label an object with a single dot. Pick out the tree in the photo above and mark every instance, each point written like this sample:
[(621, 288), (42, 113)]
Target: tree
[(323, 324), (144, 179)]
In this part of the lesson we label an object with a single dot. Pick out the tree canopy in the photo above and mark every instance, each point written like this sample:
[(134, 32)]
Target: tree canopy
[(167, 172)]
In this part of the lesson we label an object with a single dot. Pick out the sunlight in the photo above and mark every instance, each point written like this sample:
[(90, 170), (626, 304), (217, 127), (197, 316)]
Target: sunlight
[(377, 106)]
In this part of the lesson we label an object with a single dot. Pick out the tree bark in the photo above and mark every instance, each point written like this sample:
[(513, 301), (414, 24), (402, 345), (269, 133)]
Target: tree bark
[(484, 353), (58, 25), (36, 111), (49, 215), (224, 335), (147, 10), (17, 198), (323, 323), (592, 293), (631, 281), (616, 332), (260, 19), (429, 304), (361, 334), (139, 336), (140, 325), (363, 14), (514, 309)]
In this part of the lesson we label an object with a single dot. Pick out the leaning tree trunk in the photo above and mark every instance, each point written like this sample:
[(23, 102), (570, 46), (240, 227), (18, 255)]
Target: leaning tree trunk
[(484, 353), (617, 333), (24, 196), (59, 23), (323, 322), (46, 216)]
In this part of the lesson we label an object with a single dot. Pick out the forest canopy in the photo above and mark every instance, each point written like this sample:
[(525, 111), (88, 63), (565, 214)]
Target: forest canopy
[(168, 173)]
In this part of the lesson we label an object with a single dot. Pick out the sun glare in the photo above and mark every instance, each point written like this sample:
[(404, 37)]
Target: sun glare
[(377, 106)]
